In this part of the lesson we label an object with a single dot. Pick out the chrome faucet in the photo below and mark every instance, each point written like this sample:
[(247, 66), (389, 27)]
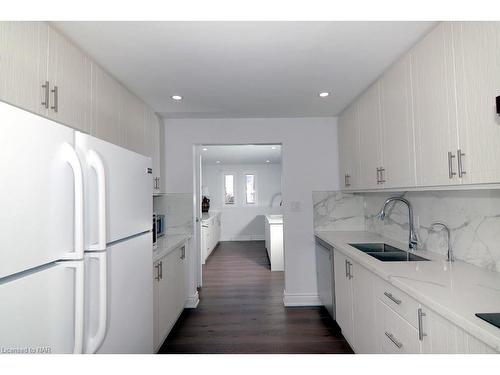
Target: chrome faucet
[(445, 227), (412, 239)]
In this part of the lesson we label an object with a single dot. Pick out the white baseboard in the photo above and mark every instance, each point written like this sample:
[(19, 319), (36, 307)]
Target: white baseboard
[(245, 238), (192, 301), (295, 299)]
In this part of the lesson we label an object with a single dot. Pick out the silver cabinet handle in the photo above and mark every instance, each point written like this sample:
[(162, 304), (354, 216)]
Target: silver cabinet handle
[(378, 176), (55, 91), (161, 270), (346, 269), (157, 277), (421, 333), (346, 180), (450, 165), (349, 270), (392, 298), (381, 171), (46, 88), (183, 252), (391, 337), (461, 171)]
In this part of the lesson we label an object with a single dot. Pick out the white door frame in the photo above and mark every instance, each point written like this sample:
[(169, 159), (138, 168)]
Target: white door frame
[(197, 214)]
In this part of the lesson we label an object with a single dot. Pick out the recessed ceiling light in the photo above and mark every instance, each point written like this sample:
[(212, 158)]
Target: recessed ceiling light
[(268, 161), (218, 161), (205, 149), (176, 97), (273, 148), (324, 94)]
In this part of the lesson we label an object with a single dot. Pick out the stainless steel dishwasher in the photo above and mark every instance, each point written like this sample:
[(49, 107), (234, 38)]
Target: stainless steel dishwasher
[(325, 276)]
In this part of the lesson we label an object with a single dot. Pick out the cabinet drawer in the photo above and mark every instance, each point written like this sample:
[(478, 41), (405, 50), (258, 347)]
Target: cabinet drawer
[(394, 333), (400, 302)]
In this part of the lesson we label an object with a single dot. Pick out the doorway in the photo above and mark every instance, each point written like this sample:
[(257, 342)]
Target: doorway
[(238, 198)]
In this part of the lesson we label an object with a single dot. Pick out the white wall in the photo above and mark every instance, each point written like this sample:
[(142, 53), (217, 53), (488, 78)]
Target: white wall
[(242, 222), (309, 162)]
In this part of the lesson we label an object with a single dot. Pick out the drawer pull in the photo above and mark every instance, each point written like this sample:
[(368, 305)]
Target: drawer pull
[(392, 298), (421, 333), (393, 340)]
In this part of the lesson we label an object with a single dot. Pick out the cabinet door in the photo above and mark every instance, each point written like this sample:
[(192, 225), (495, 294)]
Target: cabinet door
[(180, 283), (397, 119), (132, 118), (349, 148), (155, 136), (370, 128), (363, 301), (156, 306), (106, 102), (167, 295), (394, 334), (478, 84), (23, 67), (441, 336), (343, 296), (434, 107), (70, 80)]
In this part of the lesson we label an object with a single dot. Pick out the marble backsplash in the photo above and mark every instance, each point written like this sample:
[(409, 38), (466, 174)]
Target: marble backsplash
[(473, 217), (178, 211)]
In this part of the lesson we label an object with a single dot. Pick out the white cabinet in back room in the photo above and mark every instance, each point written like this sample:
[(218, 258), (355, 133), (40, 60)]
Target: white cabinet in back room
[(152, 137), (69, 77), (23, 64)]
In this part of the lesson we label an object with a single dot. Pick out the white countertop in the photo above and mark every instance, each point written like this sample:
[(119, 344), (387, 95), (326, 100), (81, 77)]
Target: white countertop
[(208, 215), (454, 290), (168, 243), (274, 219)]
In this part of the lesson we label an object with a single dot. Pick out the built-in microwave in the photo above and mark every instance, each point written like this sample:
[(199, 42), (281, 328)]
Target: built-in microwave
[(158, 228)]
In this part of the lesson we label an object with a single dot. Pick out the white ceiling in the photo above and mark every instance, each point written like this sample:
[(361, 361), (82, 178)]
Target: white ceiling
[(245, 69), (241, 154)]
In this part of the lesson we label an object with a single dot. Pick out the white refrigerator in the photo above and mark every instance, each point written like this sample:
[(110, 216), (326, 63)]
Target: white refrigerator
[(75, 237)]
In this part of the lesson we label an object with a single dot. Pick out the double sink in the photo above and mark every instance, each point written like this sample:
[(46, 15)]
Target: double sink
[(387, 253)]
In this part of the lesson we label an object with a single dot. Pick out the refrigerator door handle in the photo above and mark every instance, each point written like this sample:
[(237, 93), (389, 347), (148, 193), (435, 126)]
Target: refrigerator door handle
[(94, 342), (79, 303), (96, 163), (70, 156)]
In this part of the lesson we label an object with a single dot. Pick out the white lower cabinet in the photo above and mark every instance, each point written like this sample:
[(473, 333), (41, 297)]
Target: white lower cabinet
[(169, 292), (354, 304), (394, 334), (210, 235), (376, 317)]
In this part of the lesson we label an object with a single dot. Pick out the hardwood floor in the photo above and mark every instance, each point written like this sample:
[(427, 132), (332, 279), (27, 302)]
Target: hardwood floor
[(241, 311)]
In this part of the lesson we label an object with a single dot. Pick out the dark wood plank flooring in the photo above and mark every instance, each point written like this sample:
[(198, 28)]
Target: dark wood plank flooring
[(241, 311)]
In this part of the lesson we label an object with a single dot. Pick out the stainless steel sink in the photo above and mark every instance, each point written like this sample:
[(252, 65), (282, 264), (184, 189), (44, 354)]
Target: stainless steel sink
[(387, 253), (375, 247)]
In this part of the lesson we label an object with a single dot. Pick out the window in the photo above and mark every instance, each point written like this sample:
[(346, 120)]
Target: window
[(250, 188), (229, 189)]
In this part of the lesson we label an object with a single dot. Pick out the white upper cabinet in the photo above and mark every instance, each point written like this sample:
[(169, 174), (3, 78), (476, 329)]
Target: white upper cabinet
[(370, 138), (132, 119), (477, 61), (23, 64), (106, 106), (349, 148), (397, 126), (69, 78), (152, 137), (435, 108)]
